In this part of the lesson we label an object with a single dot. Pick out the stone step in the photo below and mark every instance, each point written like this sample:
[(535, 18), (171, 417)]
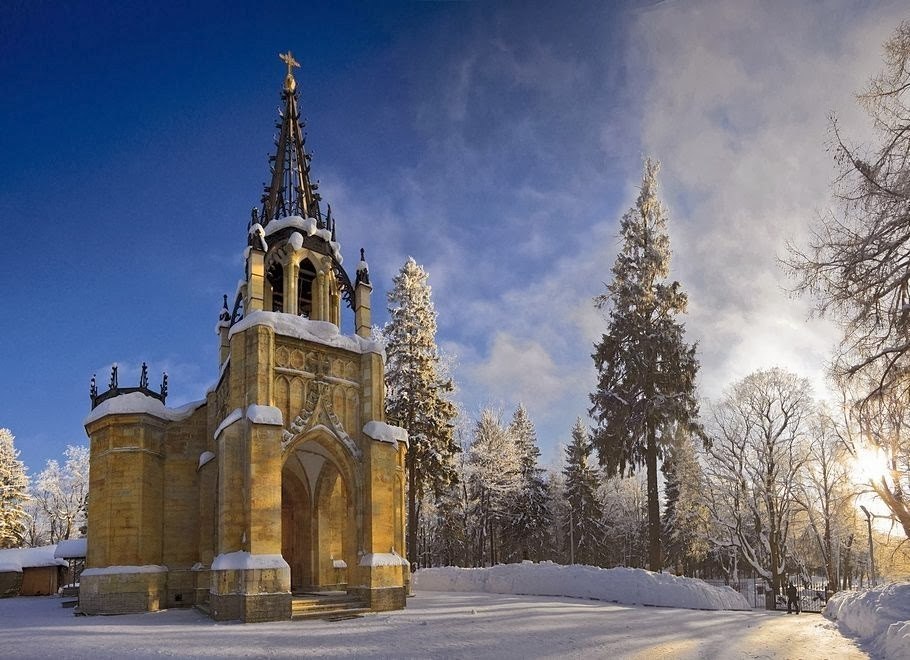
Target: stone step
[(339, 614), (309, 606)]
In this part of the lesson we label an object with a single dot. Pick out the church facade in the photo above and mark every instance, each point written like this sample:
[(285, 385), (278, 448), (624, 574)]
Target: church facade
[(286, 478)]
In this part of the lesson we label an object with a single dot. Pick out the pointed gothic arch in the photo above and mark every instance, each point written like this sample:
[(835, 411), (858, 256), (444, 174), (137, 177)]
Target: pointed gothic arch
[(306, 277)]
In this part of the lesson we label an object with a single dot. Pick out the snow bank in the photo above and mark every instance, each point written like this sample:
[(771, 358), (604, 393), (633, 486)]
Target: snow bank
[(386, 433), (240, 560), (136, 403), (879, 617), (15, 559), (71, 549), (629, 586), (318, 332)]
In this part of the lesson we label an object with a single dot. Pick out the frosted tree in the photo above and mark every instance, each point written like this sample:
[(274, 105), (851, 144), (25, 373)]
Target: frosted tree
[(858, 259), (685, 518), (62, 493), (585, 513), (13, 493), (526, 526), (824, 489), (494, 476), (625, 519), (646, 371), (758, 450), (417, 392)]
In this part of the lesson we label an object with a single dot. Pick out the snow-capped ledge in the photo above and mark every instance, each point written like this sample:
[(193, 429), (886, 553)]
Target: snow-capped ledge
[(386, 433), (241, 560), (383, 559), (308, 226), (265, 415), (318, 332), (119, 570), (255, 413), (137, 403), (205, 457)]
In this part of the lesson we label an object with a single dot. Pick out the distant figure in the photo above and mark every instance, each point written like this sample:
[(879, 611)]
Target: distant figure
[(792, 598)]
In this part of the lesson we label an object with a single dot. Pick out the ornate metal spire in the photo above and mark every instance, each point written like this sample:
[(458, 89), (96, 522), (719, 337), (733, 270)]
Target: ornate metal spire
[(290, 192)]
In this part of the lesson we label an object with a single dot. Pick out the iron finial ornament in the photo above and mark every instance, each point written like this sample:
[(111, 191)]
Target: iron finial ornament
[(144, 376), (289, 83)]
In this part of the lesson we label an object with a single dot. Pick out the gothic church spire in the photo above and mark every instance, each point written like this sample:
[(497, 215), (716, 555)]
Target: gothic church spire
[(290, 191)]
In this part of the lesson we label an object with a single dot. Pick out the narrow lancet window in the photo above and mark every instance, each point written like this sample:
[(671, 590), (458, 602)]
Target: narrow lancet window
[(275, 277), (305, 281)]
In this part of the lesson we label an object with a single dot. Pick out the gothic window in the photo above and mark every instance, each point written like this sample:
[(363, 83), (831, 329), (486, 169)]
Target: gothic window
[(275, 276), (305, 288)]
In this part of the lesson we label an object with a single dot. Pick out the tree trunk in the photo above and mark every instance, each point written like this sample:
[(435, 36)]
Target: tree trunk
[(655, 562)]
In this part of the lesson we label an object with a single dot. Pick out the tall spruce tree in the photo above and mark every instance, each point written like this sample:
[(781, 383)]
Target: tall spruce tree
[(646, 371), (13, 493), (528, 523), (685, 519), (585, 525), (417, 393)]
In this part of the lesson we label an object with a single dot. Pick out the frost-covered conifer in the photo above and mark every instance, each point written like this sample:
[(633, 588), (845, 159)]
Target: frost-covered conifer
[(417, 391), (494, 475), (646, 371), (13, 492), (62, 493), (584, 525), (685, 519), (526, 528)]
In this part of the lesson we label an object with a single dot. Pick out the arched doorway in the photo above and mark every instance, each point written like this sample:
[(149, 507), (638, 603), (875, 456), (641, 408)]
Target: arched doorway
[(318, 525)]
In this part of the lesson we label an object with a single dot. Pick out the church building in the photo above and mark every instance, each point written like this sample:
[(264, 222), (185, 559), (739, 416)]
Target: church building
[(282, 492)]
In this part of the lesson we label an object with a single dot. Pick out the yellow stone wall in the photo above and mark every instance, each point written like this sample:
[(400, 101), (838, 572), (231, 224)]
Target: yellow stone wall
[(151, 502)]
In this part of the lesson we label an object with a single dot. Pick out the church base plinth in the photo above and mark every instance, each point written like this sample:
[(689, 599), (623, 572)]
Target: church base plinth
[(250, 608), (122, 593), (381, 599)]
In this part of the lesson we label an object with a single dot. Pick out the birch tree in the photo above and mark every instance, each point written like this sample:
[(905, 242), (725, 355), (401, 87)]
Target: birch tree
[(757, 452), (62, 494), (857, 263), (646, 371)]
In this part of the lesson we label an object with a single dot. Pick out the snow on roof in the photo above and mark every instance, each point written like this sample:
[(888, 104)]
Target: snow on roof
[(15, 559), (138, 403), (880, 617), (319, 332), (386, 433), (307, 226), (629, 586), (71, 549)]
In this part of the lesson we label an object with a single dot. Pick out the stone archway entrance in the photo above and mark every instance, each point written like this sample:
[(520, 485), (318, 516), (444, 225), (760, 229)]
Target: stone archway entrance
[(318, 526)]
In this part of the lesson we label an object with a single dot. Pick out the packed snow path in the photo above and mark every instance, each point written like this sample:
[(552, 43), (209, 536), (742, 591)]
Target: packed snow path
[(440, 625)]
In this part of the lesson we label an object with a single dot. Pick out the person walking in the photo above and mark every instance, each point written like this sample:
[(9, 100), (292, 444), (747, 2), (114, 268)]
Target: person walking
[(792, 598)]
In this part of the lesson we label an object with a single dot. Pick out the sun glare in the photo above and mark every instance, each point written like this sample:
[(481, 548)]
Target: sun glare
[(869, 464)]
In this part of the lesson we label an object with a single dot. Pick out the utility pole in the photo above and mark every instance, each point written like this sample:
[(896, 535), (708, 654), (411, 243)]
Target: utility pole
[(871, 553)]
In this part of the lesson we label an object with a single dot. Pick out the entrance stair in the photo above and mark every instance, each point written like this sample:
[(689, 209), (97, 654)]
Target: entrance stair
[(329, 605)]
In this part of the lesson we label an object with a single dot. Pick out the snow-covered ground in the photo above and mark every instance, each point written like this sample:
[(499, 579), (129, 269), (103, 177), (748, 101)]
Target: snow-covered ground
[(879, 617), (438, 625), (629, 586)]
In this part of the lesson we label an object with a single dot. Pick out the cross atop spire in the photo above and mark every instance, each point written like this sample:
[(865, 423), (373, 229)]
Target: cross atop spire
[(289, 83), (290, 191)]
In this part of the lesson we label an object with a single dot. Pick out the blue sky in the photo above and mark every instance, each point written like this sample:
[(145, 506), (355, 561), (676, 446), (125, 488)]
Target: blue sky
[(496, 143)]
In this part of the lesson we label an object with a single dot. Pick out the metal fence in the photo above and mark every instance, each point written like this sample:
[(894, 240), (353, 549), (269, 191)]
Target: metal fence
[(812, 594)]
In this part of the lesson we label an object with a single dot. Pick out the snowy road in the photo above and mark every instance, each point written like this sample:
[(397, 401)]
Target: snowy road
[(450, 625)]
